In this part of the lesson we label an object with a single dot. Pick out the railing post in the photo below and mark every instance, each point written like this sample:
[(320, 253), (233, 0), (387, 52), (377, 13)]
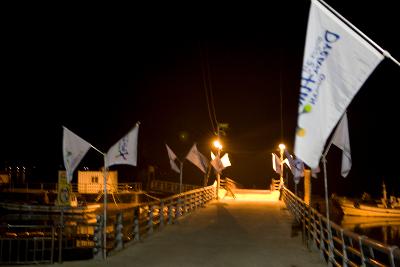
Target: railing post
[(97, 238), (136, 221), (60, 236), (119, 243), (322, 238), (391, 256), (344, 250), (177, 210), (363, 260), (315, 233), (52, 245)]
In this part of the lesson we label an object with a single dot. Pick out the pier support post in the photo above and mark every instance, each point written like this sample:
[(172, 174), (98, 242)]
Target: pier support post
[(307, 186)]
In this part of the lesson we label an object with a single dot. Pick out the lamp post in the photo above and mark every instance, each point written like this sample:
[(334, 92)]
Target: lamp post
[(218, 145), (281, 149)]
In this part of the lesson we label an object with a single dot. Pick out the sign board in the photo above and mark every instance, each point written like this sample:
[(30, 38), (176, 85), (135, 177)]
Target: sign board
[(64, 190)]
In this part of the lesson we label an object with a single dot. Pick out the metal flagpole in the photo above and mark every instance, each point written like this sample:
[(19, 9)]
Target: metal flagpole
[(105, 203), (328, 223), (105, 209), (383, 51), (180, 177)]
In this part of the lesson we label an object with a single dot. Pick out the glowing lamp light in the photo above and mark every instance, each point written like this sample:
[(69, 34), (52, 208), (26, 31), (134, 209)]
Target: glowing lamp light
[(217, 144), (282, 146)]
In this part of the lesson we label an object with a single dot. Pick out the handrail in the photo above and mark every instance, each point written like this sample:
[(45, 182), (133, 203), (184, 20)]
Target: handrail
[(129, 225), (48, 187), (170, 187), (346, 247)]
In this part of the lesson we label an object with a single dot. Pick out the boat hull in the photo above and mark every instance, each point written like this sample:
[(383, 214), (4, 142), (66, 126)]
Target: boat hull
[(352, 209), (48, 208)]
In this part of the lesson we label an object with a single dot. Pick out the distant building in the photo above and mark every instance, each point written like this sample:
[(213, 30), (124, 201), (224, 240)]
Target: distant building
[(92, 182)]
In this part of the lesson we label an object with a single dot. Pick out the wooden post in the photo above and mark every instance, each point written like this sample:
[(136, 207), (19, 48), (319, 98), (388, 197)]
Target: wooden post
[(307, 186)]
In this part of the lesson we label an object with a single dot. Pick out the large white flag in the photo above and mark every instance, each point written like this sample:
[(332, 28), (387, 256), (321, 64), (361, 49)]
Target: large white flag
[(341, 140), (125, 150), (74, 149), (276, 163), (197, 159), (172, 157), (336, 63)]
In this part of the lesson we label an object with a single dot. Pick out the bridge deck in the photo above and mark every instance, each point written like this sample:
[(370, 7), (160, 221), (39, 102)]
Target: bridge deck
[(225, 233)]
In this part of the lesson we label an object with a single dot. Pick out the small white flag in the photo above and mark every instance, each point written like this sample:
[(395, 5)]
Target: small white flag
[(296, 165), (197, 159), (341, 140), (225, 160), (74, 149), (276, 163), (336, 63), (172, 158), (125, 150), (217, 164)]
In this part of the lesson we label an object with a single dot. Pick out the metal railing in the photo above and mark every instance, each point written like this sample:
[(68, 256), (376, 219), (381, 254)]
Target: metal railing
[(275, 184), (338, 246), (97, 187), (26, 244), (124, 227), (170, 187), (43, 187)]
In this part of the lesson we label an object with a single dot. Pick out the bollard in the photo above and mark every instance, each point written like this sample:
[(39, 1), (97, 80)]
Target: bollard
[(161, 212), (136, 220), (170, 207), (119, 242), (150, 222)]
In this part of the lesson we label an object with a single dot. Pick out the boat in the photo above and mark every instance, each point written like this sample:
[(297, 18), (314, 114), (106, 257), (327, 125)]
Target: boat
[(24, 207), (350, 222), (371, 208)]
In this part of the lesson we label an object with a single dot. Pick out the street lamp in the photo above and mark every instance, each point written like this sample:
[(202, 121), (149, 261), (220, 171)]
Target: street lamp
[(281, 149), (218, 145)]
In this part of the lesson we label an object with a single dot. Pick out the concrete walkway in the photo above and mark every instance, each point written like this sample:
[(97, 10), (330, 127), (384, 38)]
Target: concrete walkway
[(225, 233)]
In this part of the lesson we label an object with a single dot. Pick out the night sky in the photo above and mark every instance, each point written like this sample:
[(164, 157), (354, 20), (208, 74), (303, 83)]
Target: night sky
[(98, 75)]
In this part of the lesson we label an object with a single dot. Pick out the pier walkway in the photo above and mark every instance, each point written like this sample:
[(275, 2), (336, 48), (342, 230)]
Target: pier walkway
[(228, 232)]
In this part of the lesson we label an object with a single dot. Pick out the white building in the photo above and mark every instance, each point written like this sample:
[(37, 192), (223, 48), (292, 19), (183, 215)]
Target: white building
[(91, 182)]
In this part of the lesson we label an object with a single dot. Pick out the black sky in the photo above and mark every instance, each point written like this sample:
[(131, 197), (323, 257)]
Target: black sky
[(98, 74)]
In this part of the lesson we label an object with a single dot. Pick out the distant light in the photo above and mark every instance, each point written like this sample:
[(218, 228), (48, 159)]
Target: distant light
[(282, 146)]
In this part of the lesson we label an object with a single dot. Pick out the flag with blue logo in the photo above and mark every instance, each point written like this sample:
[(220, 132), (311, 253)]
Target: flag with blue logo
[(125, 150), (336, 63)]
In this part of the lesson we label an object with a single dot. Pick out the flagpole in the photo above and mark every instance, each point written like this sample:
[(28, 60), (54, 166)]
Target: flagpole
[(105, 208), (104, 202), (383, 51), (328, 223), (180, 177)]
